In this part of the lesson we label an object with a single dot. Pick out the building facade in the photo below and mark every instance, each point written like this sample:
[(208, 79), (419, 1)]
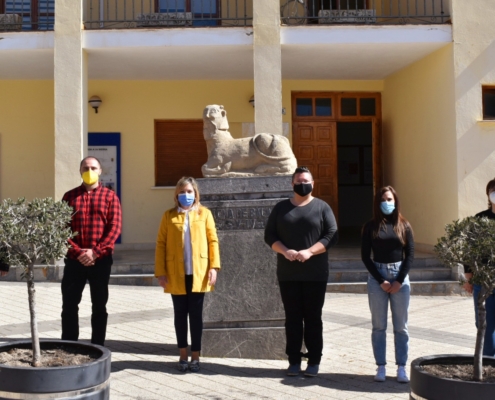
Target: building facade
[(369, 92)]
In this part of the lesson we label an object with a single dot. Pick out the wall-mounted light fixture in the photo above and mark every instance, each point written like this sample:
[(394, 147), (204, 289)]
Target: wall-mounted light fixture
[(251, 100), (95, 102)]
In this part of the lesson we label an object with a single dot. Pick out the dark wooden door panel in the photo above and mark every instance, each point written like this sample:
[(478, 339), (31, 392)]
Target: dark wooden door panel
[(315, 146)]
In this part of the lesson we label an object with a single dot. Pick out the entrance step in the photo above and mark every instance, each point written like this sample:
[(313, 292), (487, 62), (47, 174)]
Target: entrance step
[(422, 288), (347, 273), (415, 274), (134, 280)]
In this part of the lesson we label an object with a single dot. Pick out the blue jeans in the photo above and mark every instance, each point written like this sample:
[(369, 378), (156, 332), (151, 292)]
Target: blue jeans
[(399, 304), (489, 345)]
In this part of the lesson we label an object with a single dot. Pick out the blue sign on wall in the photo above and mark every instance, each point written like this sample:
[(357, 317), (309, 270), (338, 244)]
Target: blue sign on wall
[(106, 148)]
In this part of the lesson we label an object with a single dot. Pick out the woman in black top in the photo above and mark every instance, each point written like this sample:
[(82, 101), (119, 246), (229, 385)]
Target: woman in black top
[(301, 230), (489, 343), (389, 235)]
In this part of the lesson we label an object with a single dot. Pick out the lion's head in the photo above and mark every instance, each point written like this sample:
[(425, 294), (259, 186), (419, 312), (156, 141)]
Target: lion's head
[(214, 117)]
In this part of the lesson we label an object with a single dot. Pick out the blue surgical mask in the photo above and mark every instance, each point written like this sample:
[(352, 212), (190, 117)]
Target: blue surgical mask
[(186, 199), (387, 207)]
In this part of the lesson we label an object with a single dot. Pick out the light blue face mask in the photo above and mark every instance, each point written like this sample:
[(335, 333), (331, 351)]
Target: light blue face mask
[(387, 207), (186, 199)]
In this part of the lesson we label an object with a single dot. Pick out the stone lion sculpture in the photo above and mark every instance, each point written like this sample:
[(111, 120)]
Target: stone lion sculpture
[(262, 154)]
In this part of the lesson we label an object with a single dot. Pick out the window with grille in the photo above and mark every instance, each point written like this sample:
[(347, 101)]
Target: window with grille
[(36, 14)]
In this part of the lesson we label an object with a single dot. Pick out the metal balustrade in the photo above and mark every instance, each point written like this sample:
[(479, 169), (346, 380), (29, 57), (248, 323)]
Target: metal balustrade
[(393, 12), (114, 14), (27, 15)]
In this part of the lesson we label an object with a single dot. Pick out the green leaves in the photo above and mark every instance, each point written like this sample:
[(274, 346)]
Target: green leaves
[(34, 231), (470, 241)]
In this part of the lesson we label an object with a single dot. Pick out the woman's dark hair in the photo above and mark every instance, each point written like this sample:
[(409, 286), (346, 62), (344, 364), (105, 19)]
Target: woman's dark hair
[(301, 170), (401, 225), (490, 185)]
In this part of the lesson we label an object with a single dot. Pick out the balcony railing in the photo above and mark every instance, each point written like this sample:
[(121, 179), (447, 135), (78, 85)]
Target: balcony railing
[(27, 15), (114, 14), (301, 12)]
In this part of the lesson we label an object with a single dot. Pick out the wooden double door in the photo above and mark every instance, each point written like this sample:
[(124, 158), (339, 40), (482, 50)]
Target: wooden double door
[(316, 117), (315, 146)]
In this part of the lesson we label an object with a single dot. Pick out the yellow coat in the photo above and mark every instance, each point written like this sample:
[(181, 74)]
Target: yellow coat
[(169, 256)]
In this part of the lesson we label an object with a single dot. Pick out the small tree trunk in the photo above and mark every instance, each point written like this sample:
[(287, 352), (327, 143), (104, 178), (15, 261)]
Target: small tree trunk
[(34, 321), (480, 336)]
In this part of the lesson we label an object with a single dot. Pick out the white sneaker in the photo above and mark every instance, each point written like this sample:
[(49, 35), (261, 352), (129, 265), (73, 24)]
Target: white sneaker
[(402, 374), (381, 374)]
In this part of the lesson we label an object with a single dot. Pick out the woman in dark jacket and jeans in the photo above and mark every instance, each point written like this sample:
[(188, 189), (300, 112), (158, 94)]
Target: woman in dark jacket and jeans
[(389, 235), (489, 344), (301, 230)]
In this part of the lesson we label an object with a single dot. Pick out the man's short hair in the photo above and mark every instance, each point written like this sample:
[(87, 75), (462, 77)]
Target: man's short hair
[(300, 170), (87, 158)]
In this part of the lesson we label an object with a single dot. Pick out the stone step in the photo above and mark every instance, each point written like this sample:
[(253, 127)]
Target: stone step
[(415, 274), (134, 280), (356, 263), (133, 269), (421, 288)]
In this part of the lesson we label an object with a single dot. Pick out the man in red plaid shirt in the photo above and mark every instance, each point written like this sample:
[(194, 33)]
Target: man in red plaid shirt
[(97, 219)]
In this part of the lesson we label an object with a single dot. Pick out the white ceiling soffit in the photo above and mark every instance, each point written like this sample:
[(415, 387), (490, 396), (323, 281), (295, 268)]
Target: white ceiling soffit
[(357, 52), (172, 63), (170, 54), (22, 64), (26, 55)]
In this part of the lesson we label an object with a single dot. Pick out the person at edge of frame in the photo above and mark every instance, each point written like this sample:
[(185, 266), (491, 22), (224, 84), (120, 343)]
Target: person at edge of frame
[(97, 219), (301, 230), (489, 343), (4, 267), (390, 236)]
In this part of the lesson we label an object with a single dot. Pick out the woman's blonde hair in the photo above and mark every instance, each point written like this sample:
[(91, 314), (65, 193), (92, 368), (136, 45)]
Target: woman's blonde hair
[(184, 181)]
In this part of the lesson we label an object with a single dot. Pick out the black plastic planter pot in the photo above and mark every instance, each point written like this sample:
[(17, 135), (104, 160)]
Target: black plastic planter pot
[(425, 386), (85, 381)]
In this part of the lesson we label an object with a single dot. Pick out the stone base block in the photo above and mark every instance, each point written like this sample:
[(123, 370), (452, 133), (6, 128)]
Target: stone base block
[(253, 343)]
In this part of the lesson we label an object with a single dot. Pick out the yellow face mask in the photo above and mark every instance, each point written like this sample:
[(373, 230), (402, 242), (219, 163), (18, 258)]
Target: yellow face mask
[(90, 177)]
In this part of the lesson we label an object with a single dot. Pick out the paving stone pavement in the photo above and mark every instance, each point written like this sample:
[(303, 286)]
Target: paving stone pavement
[(144, 353)]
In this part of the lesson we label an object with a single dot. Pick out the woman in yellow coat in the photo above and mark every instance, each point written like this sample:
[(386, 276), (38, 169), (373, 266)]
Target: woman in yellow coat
[(186, 262)]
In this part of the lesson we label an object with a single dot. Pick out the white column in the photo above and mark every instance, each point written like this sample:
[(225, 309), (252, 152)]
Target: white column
[(267, 66), (71, 99)]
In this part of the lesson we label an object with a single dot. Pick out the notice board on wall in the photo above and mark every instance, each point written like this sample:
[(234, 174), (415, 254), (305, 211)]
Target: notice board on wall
[(106, 148)]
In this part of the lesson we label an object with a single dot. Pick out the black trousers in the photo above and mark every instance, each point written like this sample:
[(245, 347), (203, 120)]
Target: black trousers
[(303, 304), (189, 304), (73, 283)]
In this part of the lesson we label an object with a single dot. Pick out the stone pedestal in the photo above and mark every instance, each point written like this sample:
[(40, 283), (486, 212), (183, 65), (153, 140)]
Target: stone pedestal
[(244, 316)]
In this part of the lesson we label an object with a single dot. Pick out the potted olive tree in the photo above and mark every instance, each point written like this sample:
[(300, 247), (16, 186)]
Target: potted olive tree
[(38, 231), (470, 241)]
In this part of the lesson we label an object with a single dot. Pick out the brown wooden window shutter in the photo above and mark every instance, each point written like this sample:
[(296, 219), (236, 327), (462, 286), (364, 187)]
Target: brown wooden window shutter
[(180, 150)]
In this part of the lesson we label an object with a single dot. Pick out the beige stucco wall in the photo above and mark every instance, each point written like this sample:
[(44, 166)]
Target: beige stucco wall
[(130, 107), (26, 139), (474, 64), (419, 143)]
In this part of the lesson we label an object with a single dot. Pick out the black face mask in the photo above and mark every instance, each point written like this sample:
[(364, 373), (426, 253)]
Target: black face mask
[(303, 189)]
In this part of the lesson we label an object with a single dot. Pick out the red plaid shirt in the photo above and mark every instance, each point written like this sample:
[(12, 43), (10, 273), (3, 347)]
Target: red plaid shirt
[(97, 220)]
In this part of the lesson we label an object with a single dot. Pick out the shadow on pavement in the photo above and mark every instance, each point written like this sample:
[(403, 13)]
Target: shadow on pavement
[(129, 346), (336, 381)]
